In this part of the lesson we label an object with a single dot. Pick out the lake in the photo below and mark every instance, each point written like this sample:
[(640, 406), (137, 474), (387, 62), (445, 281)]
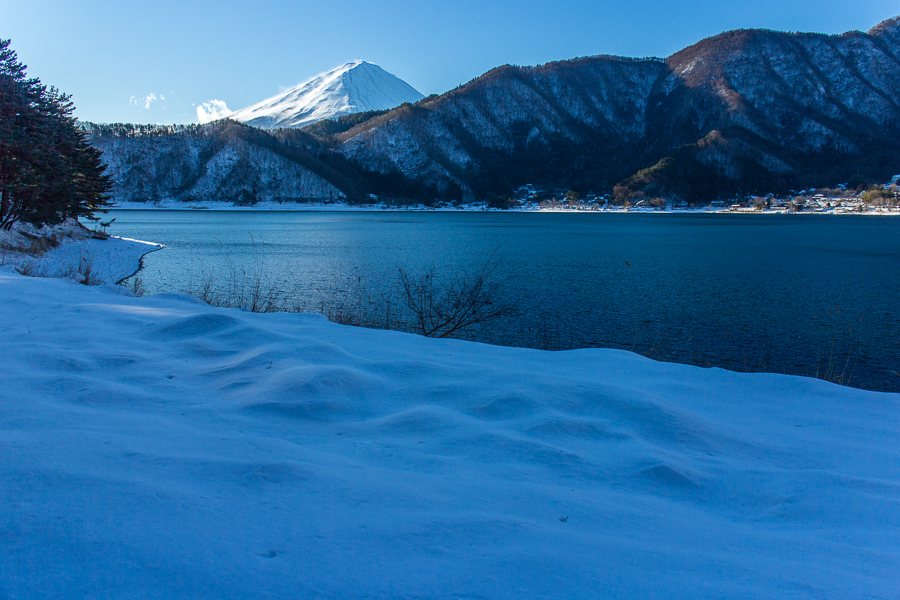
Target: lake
[(797, 294)]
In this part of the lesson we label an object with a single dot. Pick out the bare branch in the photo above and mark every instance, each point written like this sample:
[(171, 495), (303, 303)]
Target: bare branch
[(454, 306)]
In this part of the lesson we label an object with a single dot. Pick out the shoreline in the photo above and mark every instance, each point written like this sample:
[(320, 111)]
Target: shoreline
[(140, 259), (79, 255), (340, 207)]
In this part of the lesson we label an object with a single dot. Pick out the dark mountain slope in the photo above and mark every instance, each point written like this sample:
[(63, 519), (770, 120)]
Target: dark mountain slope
[(233, 162), (570, 123), (747, 110), (222, 160)]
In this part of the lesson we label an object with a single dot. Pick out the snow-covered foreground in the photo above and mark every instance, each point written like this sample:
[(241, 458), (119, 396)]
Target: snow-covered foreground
[(161, 448)]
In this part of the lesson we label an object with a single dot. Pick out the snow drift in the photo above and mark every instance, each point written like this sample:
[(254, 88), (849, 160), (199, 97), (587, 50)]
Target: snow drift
[(159, 447)]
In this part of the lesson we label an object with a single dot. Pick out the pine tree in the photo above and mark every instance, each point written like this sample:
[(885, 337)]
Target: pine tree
[(48, 170)]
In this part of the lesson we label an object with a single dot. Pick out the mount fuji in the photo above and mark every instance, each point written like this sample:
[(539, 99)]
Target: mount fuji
[(351, 88)]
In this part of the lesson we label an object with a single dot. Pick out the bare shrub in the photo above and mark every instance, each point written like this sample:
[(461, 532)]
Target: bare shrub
[(544, 335), (835, 362), (37, 246), (258, 294), (453, 305), (430, 303), (247, 288), (85, 272), (360, 307), (28, 268), (252, 289), (202, 285), (355, 313), (137, 286)]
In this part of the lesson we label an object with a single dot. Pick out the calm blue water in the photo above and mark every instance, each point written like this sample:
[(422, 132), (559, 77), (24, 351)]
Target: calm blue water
[(793, 294)]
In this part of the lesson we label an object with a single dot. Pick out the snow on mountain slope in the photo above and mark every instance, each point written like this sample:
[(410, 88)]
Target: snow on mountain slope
[(163, 448), (351, 88), (214, 163)]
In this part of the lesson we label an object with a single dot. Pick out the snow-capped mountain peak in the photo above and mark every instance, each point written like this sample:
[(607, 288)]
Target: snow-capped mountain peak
[(351, 88)]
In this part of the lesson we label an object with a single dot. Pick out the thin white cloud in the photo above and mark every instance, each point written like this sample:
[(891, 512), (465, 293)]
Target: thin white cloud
[(212, 110), (145, 100)]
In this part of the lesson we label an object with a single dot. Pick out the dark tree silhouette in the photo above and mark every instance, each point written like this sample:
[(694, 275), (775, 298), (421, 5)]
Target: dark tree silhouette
[(48, 170)]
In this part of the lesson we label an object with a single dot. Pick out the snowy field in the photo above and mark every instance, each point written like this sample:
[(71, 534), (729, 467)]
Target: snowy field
[(161, 448)]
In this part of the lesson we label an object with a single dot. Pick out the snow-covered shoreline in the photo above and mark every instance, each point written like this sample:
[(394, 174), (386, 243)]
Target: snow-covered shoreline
[(478, 207), (160, 447), (74, 253)]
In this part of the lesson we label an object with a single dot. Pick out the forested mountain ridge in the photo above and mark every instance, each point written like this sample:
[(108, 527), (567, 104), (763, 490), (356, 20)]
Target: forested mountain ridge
[(222, 161), (747, 111), (577, 123), (232, 162)]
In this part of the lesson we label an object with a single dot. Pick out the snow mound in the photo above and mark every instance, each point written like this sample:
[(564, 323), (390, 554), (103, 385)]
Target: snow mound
[(160, 447), (351, 88)]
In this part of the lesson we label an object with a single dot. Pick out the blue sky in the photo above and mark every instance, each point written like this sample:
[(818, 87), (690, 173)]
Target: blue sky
[(155, 62)]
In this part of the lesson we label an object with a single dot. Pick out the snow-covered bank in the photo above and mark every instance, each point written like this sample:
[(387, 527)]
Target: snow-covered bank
[(477, 206), (157, 447), (70, 251)]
